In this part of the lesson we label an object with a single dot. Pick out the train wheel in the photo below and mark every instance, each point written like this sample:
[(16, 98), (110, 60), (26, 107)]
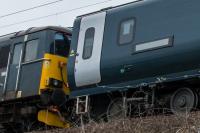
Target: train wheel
[(13, 128), (196, 99), (116, 109), (183, 100)]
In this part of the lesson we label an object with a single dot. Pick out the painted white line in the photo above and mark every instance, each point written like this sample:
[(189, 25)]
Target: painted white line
[(154, 44)]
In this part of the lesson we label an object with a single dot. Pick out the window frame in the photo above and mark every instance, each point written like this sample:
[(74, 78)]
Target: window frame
[(25, 46), (119, 30), (85, 43)]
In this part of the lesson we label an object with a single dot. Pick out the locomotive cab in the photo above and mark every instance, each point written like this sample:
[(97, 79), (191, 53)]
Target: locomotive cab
[(36, 63)]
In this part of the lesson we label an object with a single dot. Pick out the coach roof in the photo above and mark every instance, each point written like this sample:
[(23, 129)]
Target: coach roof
[(119, 6)]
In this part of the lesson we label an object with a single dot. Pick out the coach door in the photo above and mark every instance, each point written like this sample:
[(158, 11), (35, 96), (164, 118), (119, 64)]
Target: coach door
[(87, 64), (14, 68)]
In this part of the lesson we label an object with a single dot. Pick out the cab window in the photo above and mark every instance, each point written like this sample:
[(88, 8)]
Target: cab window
[(16, 53), (31, 50), (61, 45), (4, 53)]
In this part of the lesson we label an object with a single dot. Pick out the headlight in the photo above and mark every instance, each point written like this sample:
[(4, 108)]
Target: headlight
[(55, 83)]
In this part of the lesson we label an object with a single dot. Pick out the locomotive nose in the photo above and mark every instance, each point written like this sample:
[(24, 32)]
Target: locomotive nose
[(59, 98)]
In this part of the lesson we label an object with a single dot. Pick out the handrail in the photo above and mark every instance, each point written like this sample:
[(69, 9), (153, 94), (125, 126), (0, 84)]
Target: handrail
[(34, 61)]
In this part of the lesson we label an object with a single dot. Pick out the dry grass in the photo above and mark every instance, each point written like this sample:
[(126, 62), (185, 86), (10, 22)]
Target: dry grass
[(186, 123)]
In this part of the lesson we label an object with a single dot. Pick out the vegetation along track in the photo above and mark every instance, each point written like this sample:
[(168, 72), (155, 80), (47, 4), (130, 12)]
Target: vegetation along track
[(162, 123)]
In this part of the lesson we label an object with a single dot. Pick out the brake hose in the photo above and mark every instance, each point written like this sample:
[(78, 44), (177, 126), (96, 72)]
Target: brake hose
[(61, 73)]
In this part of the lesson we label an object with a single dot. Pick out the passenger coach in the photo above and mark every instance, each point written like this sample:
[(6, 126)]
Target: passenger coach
[(147, 49)]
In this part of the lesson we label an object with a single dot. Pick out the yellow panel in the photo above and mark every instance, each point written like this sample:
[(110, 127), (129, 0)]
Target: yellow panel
[(52, 119), (51, 69)]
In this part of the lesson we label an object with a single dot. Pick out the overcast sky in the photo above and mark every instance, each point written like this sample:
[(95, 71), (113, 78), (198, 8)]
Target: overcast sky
[(66, 19)]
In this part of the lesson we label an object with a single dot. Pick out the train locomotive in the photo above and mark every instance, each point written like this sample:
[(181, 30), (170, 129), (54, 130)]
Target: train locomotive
[(143, 54), (29, 69)]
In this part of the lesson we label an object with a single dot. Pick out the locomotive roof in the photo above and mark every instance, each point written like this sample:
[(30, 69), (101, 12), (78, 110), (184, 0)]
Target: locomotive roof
[(32, 30), (36, 29), (6, 37)]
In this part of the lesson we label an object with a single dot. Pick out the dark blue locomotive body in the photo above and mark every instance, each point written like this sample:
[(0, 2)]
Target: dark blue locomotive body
[(143, 43)]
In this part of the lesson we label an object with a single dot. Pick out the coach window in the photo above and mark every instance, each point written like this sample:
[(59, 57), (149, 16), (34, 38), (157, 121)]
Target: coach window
[(4, 53), (126, 33), (61, 45), (31, 50), (88, 43)]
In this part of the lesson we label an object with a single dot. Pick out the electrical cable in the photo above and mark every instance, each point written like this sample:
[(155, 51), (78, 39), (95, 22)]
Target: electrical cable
[(55, 14), (28, 9)]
